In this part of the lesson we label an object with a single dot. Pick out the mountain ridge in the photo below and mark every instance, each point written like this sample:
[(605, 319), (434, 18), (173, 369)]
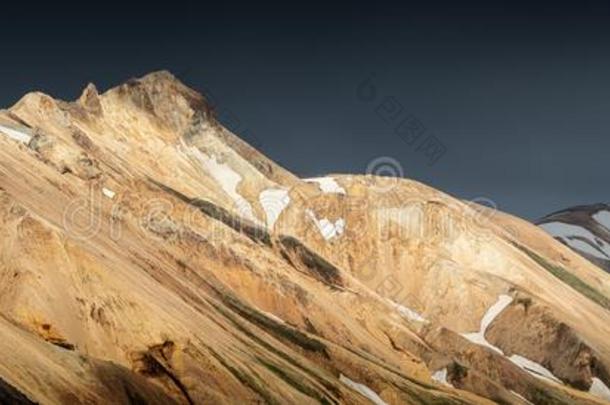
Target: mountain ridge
[(583, 228), (190, 264)]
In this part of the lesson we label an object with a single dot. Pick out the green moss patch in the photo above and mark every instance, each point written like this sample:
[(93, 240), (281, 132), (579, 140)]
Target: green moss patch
[(568, 278)]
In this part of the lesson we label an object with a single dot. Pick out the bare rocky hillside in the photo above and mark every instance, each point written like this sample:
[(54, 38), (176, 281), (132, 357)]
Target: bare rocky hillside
[(149, 255)]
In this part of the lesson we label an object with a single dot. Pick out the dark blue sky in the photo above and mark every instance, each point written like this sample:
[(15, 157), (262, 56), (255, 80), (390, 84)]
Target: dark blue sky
[(517, 95)]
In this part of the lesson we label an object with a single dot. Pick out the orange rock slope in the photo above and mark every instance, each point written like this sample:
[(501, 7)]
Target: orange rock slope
[(151, 256)]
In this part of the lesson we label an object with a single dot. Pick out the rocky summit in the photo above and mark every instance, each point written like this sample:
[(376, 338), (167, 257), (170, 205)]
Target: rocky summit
[(149, 255)]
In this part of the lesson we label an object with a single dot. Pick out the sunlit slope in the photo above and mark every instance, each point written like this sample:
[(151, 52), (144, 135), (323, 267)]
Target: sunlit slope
[(143, 238)]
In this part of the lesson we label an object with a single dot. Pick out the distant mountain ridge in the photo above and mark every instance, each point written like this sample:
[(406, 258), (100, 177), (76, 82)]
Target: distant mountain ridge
[(585, 229)]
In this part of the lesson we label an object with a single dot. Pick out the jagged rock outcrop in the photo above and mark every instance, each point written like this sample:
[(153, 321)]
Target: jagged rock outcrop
[(146, 247)]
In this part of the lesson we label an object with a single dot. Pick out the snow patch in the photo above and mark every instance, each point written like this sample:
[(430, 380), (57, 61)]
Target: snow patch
[(488, 318), (273, 201), (228, 179), (408, 313), (15, 134), (108, 193), (327, 185), (328, 229), (535, 369), (494, 311), (480, 340), (584, 247), (528, 365), (363, 389), (440, 376), (575, 236), (603, 218), (599, 389)]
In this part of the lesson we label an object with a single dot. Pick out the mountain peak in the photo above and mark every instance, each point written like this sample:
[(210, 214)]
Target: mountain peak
[(165, 97), (186, 266), (161, 76), (90, 99)]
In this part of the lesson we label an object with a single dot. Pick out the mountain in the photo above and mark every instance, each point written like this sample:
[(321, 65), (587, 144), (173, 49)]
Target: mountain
[(149, 255), (585, 229)]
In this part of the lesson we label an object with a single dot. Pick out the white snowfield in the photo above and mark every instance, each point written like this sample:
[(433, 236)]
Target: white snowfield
[(599, 389), (228, 179), (328, 229), (488, 318), (585, 247), (327, 185), (16, 134), (528, 365), (495, 310), (408, 313), (363, 389), (603, 218), (534, 368), (479, 339), (573, 235), (273, 201), (440, 376)]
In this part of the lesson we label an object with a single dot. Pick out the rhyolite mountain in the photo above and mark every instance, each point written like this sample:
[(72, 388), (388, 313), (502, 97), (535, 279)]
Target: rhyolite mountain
[(149, 255), (585, 229)]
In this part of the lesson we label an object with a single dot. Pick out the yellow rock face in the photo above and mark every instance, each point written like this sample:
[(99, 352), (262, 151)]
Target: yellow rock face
[(148, 254)]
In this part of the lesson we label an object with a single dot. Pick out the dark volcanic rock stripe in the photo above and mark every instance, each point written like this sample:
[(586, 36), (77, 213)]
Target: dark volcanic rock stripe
[(254, 232), (11, 395)]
